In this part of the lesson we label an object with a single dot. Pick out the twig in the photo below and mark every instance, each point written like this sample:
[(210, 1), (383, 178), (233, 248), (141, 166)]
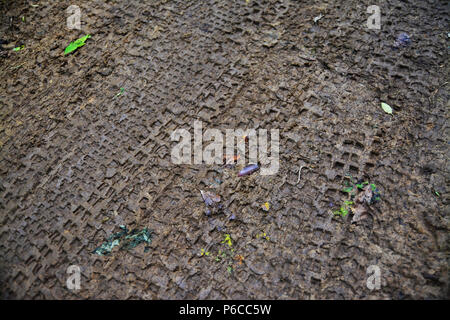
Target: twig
[(299, 172)]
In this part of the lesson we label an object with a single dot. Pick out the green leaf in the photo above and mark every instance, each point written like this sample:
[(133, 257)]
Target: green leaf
[(349, 189), (361, 185), (122, 90), (76, 44), (387, 108), (19, 48)]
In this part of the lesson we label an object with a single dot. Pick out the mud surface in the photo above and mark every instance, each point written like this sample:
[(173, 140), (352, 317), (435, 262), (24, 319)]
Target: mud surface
[(76, 161)]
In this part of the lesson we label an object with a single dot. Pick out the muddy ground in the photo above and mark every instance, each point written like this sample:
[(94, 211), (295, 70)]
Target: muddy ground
[(76, 161)]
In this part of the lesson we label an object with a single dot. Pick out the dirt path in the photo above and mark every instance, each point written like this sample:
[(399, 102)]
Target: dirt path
[(77, 161)]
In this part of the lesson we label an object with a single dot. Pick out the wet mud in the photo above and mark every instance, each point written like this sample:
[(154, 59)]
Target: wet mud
[(77, 160)]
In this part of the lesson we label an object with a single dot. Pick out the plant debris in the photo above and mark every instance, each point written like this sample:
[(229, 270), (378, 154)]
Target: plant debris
[(387, 108), (212, 202), (361, 196), (225, 255), (122, 90), (299, 173), (227, 240), (210, 198), (239, 258), (18, 48), (318, 18), (76, 44), (126, 239), (263, 235), (363, 200)]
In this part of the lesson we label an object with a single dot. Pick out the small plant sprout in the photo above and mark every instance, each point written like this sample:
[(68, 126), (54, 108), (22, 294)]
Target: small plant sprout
[(204, 252)]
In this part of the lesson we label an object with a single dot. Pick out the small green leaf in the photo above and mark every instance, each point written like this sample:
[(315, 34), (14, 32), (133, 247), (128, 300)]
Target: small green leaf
[(76, 44), (387, 108), (349, 189), (122, 90), (361, 185), (19, 48)]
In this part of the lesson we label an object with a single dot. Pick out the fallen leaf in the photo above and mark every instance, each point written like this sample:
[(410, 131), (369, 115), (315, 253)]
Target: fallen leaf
[(76, 44), (365, 196), (239, 258), (387, 108), (209, 197), (360, 212), (19, 48)]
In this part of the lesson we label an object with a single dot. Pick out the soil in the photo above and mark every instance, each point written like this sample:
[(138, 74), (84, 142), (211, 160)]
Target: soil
[(77, 161)]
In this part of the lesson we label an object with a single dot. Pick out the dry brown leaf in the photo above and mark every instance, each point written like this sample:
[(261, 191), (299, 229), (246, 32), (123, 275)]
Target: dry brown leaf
[(359, 212)]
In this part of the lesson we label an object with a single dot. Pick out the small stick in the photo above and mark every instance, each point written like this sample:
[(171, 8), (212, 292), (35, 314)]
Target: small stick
[(299, 172)]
